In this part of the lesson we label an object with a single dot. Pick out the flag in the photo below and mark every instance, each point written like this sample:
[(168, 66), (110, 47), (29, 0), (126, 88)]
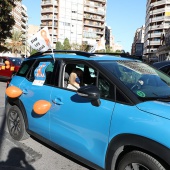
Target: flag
[(41, 40), (100, 45)]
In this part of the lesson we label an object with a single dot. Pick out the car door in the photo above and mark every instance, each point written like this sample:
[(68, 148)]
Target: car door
[(80, 127), (37, 87)]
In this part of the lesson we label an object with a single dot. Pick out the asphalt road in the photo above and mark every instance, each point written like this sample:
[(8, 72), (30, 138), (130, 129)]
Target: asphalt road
[(30, 154)]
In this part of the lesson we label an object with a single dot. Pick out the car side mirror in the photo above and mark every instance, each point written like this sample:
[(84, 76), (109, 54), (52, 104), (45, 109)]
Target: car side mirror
[(90, 92)]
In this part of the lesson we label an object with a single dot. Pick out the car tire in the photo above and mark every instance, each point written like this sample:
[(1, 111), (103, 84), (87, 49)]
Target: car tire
[(136, 160), (16, 124)]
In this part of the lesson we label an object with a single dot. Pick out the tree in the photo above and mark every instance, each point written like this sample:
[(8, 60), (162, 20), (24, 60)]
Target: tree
[(33, 51), (66, 44), (15, 44), (118, 51), (59, 46), (108, 49), (6, 21)]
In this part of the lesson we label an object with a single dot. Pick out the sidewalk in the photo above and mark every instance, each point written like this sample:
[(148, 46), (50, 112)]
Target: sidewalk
[(14, 155)]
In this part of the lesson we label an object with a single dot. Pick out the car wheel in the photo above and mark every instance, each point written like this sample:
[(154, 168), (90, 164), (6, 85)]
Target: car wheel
[(137, 160), (16, 124)]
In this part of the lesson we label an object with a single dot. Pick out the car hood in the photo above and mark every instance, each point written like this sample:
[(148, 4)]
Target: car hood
[(158, 108)]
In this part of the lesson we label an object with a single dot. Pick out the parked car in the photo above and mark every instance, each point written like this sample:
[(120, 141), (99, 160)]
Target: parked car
[(163, 66), (9, 66), (117, 119)]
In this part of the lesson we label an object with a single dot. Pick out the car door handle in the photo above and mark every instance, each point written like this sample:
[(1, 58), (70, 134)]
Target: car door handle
[(57, 101), (24, 91)]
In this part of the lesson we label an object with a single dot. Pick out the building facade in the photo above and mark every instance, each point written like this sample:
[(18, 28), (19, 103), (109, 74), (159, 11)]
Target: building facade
[(138, 41), (108, 33), (81, 21), (21, 23), (20, 17), (157, 21)]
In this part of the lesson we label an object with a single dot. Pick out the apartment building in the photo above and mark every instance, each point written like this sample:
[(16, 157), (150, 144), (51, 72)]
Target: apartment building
[(81, 21), (137, 45), (108, 33), (157, 21), (21, 17), (21, 23)]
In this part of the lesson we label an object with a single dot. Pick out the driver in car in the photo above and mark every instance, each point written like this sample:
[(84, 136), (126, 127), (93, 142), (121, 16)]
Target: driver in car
[(75, 79)]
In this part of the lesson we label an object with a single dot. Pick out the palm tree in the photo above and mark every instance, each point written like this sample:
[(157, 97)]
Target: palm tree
[(15, 44)]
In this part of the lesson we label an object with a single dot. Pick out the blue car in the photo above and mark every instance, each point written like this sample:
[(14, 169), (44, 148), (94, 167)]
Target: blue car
[(109, 112)]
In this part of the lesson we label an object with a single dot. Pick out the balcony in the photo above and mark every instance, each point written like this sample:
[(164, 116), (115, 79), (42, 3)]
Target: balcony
[(155, 43), (150, 50), (100, 33), (93, 4), (49, 18), (94, 18), (103, 1), (49, 10), (94, 25), (94, 11), (48, 25), (158, 3), (49, 3), (162, 26), (54, 32), (153, 35), (24, 13), (24, 19), (23, 24)]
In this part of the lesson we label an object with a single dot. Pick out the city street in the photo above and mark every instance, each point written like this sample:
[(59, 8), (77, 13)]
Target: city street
[(29, 154)]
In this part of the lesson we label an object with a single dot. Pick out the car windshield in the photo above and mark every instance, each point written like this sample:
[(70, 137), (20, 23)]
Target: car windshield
[(16, 61), (143, 80)]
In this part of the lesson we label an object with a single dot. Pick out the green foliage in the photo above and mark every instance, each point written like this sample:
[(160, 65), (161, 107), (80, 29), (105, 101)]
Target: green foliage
[(33, 51), (15, 44), (108, 49), (59, 46), (66, 44), (78, 47), (118, 51), (6, 20)]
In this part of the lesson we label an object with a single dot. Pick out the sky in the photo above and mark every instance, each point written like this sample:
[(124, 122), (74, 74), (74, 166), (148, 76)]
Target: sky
[(123, 16)]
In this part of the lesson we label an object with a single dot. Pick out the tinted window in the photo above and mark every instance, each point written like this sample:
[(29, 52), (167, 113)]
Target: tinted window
[(166, 69), (41, 72), (120, 97), (106, 88), (25, 67)]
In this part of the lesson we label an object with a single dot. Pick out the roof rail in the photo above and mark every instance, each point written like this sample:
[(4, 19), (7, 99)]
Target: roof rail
[(121, 55), (117, 54), (82, 53)]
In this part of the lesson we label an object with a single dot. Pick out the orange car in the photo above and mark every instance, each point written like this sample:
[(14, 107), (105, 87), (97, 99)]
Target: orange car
[(9, 66)]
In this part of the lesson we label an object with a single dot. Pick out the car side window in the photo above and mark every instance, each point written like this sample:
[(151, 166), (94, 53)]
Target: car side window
[(77, 75), (121, 98), (25, 68), (42, 71), (106, 88), (166, 69)]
